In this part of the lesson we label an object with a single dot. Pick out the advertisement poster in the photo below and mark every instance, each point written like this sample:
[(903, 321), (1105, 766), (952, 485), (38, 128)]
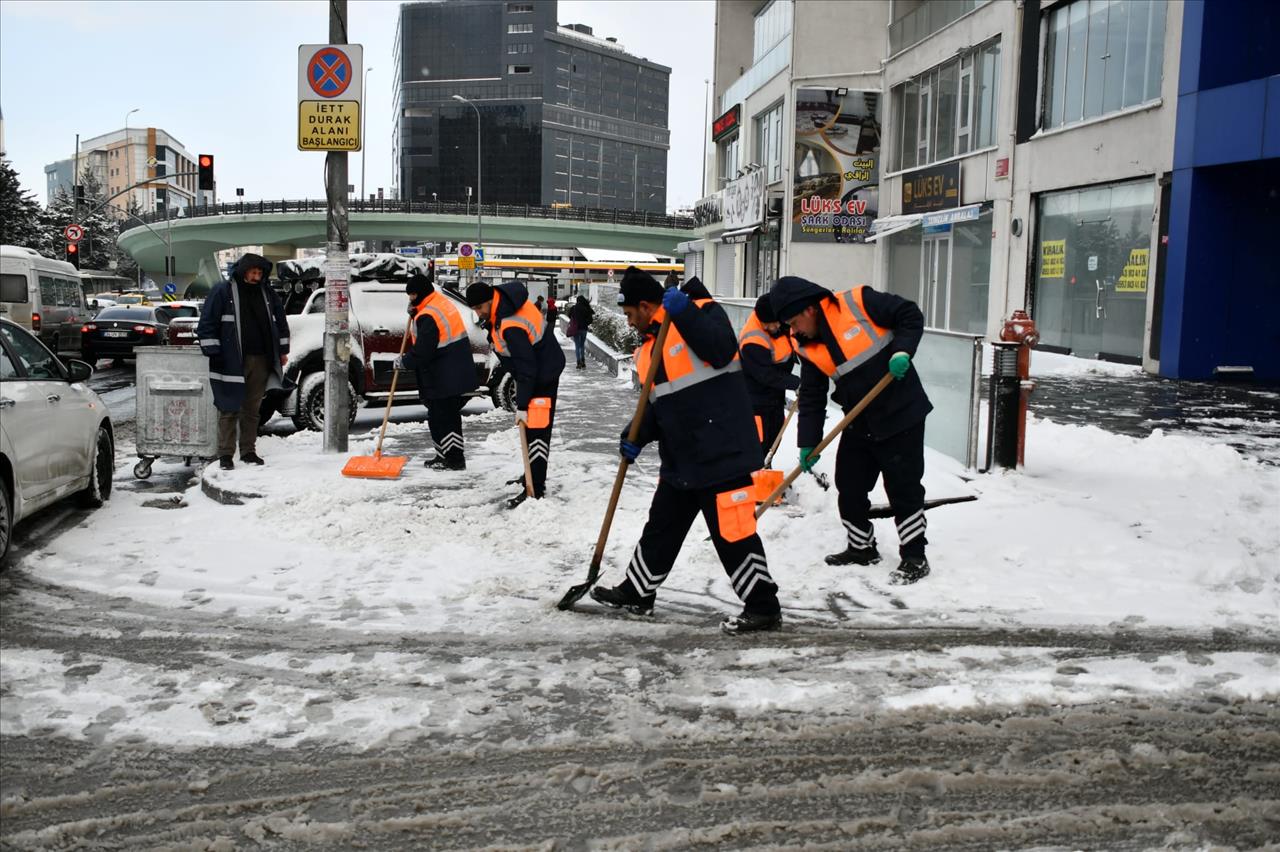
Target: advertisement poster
[(1053, 258), (1133, 278), (837, 166)]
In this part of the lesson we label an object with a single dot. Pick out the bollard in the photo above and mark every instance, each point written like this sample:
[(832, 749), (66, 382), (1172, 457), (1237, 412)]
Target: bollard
[(1004, 398)]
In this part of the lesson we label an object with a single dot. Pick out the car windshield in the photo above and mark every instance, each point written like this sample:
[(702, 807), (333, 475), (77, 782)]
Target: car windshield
[(170, 313), (135, 314)]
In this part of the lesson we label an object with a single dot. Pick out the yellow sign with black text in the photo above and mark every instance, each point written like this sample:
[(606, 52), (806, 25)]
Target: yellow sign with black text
[(1133, 278), (329, 125), (1053, 258), (468, 262)]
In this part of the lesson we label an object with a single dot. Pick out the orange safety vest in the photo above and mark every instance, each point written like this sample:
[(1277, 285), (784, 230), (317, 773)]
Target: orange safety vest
[(528, 318), (448, 320), (858, 337), (754, 334), (683, 368)]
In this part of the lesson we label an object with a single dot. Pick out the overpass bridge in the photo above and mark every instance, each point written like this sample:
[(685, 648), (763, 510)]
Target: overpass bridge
[(282, 227)]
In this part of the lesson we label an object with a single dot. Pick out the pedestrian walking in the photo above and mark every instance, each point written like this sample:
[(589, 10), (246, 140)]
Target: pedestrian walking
[(768, 363), (700, 416), (541, 305), (552, 312), (854, 338), (244, 333), (440, 359), (581, 315), (524, 343)]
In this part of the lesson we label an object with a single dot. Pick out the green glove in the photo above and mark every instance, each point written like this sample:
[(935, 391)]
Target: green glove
[(808, 459), (899, 364)]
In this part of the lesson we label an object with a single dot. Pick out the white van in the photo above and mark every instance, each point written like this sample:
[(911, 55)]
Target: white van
[(42, 295)]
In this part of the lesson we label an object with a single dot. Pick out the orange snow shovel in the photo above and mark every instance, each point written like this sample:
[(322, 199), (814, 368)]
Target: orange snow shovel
[(831, 436), (377, 466), (766, 479), (575, 593)]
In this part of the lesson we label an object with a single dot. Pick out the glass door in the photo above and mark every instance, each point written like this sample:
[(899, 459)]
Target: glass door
[(935, 279)]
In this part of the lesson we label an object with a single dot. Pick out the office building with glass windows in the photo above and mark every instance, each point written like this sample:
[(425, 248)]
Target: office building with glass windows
[(1067, 157), (565, 117)]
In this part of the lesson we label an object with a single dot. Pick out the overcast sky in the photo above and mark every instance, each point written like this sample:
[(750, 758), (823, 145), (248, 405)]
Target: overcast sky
[(222, 78)]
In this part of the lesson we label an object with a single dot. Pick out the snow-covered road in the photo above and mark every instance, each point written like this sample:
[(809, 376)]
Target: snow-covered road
[(1095, 660)]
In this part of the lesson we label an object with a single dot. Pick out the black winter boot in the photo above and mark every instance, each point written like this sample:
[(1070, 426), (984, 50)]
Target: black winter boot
[(623, 596), (910, 570), (855, 556), (750, 622), (226, 463)]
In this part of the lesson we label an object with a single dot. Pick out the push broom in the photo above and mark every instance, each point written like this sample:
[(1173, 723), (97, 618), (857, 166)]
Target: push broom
[(378, 466), (575, 593)]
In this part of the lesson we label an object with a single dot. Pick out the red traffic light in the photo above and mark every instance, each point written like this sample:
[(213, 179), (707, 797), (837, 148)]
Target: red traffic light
[(206, 161), (205, 171), (72, 248)]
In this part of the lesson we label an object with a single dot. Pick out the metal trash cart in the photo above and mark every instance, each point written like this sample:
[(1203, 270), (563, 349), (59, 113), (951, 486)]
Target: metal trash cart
[(176, 416)]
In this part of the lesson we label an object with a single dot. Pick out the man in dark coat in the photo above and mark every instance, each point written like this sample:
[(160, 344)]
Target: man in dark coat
[(701, 418), (440, 358), (526, 345), (768, 362), (581, 315), (855, 337), (244, 333)]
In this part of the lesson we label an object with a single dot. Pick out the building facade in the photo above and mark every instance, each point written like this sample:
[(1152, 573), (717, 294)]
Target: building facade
[(1011, 155), (125, 157), (565, 117)]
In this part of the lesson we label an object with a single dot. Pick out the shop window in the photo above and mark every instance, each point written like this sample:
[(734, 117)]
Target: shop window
[(1101, 56), (1092, 265), (946, 272)]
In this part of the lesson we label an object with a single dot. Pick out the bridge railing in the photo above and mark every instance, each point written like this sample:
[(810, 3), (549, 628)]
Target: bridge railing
[(449, 208)]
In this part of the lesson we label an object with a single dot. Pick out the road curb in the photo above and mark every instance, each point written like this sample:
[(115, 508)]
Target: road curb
[(225, 496)]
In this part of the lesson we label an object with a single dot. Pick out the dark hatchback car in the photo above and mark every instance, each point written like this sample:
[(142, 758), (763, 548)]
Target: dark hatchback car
[(116, 331)]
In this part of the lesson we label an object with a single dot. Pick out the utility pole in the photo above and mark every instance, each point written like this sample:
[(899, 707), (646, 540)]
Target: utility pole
[(337, 337)]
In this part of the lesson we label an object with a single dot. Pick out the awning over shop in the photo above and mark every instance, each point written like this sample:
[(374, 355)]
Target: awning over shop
[(739, 236), (887, 225)]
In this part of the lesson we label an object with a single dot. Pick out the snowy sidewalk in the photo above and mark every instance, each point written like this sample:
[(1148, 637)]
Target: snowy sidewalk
[(1101, 530)]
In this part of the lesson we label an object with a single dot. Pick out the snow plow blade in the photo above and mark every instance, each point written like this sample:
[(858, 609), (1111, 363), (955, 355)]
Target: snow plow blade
[(375, 466)]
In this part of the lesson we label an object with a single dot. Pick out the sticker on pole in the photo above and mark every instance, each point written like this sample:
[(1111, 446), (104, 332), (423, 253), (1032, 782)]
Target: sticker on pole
[(73, 233), (330, 83), (466, 256)]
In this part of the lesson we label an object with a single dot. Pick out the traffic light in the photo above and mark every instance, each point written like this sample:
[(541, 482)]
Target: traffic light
[(73, 255), (205, 162)]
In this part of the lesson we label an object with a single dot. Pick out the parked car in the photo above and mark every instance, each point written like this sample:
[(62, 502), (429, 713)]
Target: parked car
[(132, 298), (42, 295), (56, 438), (116, 331), (378, 318), (182, 328)]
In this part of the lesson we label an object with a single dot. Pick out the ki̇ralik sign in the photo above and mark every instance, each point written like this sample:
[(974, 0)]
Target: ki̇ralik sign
[(837, 156), (330, 78)]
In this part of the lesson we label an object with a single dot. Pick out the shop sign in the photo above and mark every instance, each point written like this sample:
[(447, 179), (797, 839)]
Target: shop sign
[(709, 210), (1133, 278), (744, 201), (1002, 167), (1053, 258), (969, 213), (934, 188), (727, 123), (837, 156)]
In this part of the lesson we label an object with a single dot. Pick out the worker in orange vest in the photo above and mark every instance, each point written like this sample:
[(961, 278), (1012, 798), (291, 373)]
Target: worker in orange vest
[(440, 359), (526, 345), (700, 416), (853, 338), (768, 361)]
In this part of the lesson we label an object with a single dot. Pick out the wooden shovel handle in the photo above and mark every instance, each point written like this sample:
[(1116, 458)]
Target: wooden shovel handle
[(777, 441), (831, 436), (645, 390), (391, 397)]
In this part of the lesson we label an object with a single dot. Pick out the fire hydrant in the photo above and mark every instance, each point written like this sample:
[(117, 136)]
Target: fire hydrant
[(1011, 388)]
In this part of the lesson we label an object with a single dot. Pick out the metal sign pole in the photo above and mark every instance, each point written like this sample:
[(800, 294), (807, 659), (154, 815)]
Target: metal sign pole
[(337, 337)]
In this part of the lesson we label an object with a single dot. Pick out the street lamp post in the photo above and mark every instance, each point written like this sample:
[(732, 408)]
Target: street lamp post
[(364, 142), (479, 189), (128, 172)]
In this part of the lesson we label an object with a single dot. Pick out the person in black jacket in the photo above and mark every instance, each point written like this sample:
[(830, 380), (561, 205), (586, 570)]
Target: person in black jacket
[(581, 315), (440, 359), (527, 347), (768, 361), (856, 337), (701, 418)]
